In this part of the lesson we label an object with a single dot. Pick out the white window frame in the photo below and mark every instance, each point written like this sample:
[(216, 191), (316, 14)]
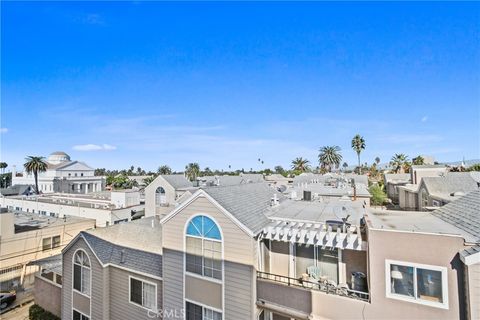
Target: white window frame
[(89, 293), (155, 308), (203, 259), (414, 299), (204, 306), (81, 314)]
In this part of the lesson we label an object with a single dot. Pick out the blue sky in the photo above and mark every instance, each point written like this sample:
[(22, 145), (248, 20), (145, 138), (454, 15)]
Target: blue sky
[(151, 83)]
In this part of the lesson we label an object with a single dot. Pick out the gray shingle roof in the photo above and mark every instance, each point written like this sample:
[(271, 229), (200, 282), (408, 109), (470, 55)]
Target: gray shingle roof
[(137, 260), (452, 182), (177, 180), (470, 251), (247, 202), (463, 213), (391, 177)]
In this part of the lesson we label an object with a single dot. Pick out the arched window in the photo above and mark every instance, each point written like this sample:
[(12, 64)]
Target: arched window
[(204, 247), (160, 197), (81, 272)]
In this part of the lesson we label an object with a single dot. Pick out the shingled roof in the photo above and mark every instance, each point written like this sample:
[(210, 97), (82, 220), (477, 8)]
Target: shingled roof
[(177, 180), (137, 260), (463, 213), (246, 202), (443, 187)]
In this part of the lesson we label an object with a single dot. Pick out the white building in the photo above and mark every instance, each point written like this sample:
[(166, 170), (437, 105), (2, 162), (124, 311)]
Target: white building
[(62, 176), (107, 208)]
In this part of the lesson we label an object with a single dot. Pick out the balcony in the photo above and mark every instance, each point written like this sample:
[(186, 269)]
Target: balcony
[(285, 299)]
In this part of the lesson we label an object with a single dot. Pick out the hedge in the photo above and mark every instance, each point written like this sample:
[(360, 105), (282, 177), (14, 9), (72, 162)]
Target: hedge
[(38, 313)]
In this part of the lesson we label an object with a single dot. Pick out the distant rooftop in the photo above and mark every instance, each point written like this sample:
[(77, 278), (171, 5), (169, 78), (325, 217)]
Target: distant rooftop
[(318, 211), (421, 221), (26, 221)]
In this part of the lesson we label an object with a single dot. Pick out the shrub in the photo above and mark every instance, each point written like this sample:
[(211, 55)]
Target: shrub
[(378, 195), (38, 313)]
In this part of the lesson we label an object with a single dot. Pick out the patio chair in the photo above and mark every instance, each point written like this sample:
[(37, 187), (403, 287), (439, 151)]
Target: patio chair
[(314, 272)]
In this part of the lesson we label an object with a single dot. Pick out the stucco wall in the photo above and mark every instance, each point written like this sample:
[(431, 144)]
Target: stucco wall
[(48, 295)]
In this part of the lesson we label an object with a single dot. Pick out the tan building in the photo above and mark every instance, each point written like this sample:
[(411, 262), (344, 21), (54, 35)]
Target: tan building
[(260, 255), (26, 237)]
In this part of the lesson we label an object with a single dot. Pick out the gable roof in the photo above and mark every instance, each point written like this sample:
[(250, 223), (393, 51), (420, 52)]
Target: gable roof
[(248, 203), (463, 213), (16, 190), (67, 164), (133, 259), (177, 180), (442, 187)]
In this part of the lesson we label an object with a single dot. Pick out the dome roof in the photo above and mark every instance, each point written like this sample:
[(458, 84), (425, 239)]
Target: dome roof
[(58, 157)]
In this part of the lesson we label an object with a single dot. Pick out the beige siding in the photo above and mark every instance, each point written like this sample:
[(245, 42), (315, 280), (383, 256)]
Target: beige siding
[(239, 291), (238, 246), (97, 285), (151, 207), (172, 280), (120, 305), (195, 289), (239, 259), (474, 291)]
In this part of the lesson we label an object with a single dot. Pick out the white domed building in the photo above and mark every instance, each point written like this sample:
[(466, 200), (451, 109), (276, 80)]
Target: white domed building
[(63, 176)]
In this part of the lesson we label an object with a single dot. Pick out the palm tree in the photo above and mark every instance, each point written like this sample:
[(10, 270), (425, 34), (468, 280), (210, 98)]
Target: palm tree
[(329, 157), (3, 165), (149, 180), (418, 161), (192, 170), (300, 164), (345, 166), (358, 144), (399, 161), (164, 170), (35, 165)]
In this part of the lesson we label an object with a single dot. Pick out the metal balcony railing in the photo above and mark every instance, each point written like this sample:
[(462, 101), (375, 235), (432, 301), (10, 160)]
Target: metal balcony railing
[(323, 286)]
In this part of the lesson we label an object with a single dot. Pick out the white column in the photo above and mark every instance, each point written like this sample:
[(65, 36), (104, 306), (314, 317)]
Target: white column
[(342, 268)]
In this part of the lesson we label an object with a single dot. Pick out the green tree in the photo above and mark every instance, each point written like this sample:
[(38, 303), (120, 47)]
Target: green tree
[(377, 160), (418, 161), (329, 157), (164, 170), (279, 170), (378, 195), (300, 164), (149, 180), (35, 165), (358, 145), (192, 171), (399, 162), (3, 166), (345, 166), (474, 167)]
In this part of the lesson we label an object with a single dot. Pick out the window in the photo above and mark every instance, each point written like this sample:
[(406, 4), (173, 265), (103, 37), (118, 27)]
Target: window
[(81, 174), (204, 248), (50, 243), (81, 272), (56, 242), (46, 244), (79, 316), (143, 293), (417, 283), (196, 312), (313, 259), (160, 198)]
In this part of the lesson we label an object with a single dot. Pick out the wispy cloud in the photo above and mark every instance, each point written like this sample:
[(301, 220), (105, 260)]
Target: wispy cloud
[(3, 130), (93, 18), (424, 119), (94, 147)]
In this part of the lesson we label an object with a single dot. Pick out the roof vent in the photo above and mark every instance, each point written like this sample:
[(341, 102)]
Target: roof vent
[(122, 256), (274, 200)]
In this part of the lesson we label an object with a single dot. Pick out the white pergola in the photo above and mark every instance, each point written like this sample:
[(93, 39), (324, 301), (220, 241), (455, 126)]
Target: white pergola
[(319, 234)]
